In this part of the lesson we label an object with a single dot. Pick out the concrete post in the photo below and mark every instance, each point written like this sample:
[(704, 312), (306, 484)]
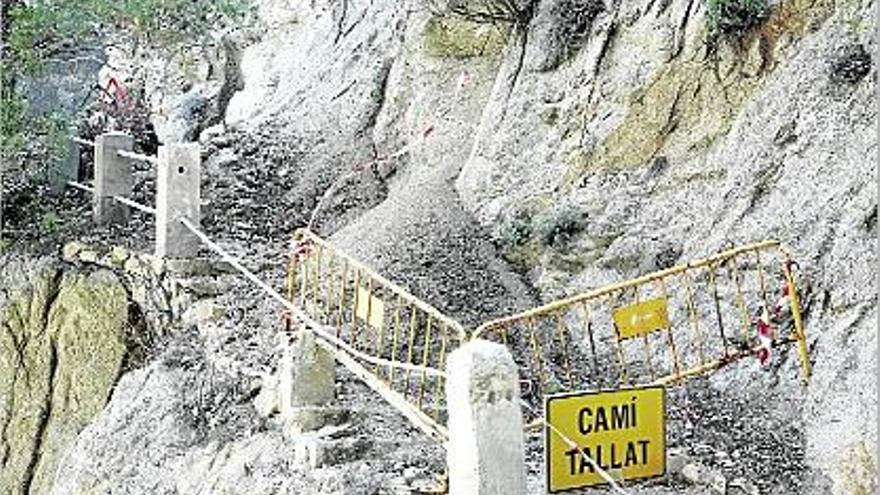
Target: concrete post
[(486, 451), (307, 384), (112, 177), (66, 169), (178, 195)]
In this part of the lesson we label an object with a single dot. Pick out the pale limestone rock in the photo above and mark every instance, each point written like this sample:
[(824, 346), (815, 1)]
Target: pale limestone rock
[(70, 251), (201, 312), (89, 256)]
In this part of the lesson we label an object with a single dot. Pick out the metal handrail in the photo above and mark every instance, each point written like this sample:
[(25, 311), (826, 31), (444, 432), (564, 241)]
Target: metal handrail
[(578, 298), (301, 235)]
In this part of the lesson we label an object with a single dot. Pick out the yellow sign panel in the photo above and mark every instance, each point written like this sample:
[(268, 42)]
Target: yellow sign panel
[(623, 432), (370, 308), (641, 318)]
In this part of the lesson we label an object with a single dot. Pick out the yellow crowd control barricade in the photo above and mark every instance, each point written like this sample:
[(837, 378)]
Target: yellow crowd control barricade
[(378, 318), (660, 328)]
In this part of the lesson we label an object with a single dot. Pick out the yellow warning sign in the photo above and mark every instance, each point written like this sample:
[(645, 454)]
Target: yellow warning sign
[(641, 318), (623, 432), (370, 308)]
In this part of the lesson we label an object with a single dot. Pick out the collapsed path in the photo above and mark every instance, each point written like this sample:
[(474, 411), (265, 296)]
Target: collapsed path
[(422, 237)]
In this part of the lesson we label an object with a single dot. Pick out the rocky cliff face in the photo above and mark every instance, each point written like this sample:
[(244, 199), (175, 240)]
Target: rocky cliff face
[(491, 166), (62, 348), (628, 128)]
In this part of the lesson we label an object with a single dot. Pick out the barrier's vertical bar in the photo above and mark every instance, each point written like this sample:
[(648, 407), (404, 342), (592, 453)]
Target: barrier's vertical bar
[(676, 362), (794, 303), (717, 301), (740, 297), (425, 356), (380, 342), (291, 286), (648, 352), (305, 277), (503, 330), (369, 317), (291, 275), (588, 324), (396, 336), (536, 352), (763, 284), (621, 358), (340, 311), (356, 300), (695, 318), (438, 390), (413, 321), (327, 287), (316, 285), (566, 357)]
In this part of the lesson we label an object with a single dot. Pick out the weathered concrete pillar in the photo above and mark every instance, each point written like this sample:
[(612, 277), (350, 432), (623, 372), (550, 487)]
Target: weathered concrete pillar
[(112, 177), (66, 169), (178, 195), (307, 384), (486, 453)]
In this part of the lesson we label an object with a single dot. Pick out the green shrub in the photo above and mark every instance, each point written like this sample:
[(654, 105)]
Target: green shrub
[(557, 226), (734, 16), (49, 223), (516, 230)]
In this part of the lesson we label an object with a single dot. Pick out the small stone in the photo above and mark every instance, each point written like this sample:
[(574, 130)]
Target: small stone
[(266, 403), (754, 60), (156, 263), (71, 250), (717, 482), (786, 134), (200, 287), (119, 255), (549, 115), (309, 452), (139, 294), (133, 266), (693, 473), (411, 473), (202, 311), (224, 158), (744, 485), (676, 460), (191, 267), (88, 256), (210, 133)]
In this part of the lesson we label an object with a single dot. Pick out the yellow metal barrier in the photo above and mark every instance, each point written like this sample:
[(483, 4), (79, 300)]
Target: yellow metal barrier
[(660, 328), (379, 318)]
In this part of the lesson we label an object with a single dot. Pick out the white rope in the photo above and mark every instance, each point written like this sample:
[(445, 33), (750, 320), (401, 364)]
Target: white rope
[(136, 206), (81, 187), (121, 199), (83, 141), (137, 156), (573, 445), (316, 327)]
